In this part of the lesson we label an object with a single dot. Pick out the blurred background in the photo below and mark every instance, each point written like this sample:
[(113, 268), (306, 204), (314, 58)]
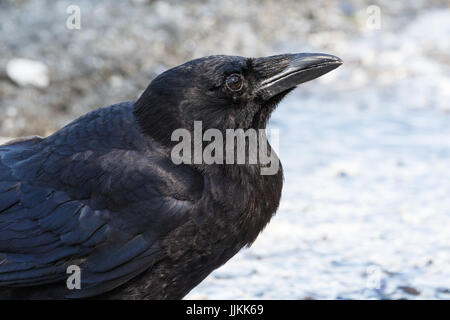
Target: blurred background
[(365, 211)]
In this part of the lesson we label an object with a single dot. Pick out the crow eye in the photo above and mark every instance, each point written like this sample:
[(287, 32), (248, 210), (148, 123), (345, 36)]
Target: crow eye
[(234, 82)]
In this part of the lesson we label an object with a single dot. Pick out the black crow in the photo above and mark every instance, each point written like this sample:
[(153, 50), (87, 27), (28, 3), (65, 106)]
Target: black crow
[(104, 193)]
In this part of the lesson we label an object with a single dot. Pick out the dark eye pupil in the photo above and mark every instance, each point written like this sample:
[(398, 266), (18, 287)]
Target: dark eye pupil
[(234, 82)]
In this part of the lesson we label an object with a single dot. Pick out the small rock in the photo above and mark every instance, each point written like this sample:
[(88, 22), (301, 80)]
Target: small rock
[(26, 72), (342, 174), (443, 290), (116, 81), (410, 290)]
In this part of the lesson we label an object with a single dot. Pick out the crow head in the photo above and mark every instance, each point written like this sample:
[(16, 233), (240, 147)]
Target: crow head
[(224, 92)]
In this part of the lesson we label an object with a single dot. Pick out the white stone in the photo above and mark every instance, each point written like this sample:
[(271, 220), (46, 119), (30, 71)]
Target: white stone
[(27, 72)]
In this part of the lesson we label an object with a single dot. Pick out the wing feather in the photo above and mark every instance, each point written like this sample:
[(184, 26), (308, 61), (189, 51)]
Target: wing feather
[(78, 197)]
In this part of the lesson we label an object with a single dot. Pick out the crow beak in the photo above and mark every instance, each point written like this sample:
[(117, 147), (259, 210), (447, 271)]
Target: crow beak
[(293, 70)]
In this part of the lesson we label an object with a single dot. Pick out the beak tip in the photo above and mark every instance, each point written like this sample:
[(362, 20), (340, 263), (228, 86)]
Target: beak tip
[(338, 60), (314, 59), (326, 58)]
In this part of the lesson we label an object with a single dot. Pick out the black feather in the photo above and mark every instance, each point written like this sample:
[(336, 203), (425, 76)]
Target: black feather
[(103, 193)]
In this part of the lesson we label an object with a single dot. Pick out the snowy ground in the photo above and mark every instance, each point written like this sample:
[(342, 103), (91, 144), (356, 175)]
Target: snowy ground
[(365, 211)]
